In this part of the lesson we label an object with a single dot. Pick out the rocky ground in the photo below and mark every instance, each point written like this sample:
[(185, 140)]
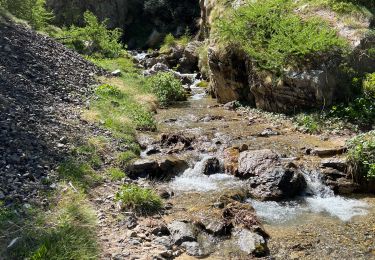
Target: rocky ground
[(43, 87)]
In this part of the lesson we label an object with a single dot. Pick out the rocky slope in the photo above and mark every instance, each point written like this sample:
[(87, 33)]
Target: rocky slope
[(43, 86)]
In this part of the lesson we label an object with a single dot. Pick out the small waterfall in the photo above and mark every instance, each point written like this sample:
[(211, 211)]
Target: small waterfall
[(318, 198), (193, 179)]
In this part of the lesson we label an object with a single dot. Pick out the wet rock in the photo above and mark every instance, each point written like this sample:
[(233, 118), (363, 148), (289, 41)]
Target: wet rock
[(241, 214), (142, 168), (231, 156), (162, 168), (169, 167), (256, 162), (176, 142), (165, 194), (277, 184), (158, 67), (324, 152), (182, 232), (152, 150), (250, 242), (216, 227), (211, 165)]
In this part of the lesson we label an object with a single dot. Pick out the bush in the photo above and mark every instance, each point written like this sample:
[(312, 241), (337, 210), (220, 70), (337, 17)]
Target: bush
[(310, 123), (141, 200), (360, 110), (107, 90), (33, 11), (274, 36), (361, 156), (170, 41), (166, 88), (93, 39)]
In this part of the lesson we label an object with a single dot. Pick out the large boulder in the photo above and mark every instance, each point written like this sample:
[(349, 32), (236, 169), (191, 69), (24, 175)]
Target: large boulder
[(277, 184), (256, 162)]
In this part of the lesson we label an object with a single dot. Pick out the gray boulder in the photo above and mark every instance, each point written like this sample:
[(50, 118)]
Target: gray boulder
[(182, 232)]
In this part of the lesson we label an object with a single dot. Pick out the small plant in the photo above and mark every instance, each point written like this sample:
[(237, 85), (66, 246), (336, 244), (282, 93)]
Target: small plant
[(166, 87), (170, 41), (107, 90), (311, 123), (361, 156), (141, 200), (116, 174), (369, 86), (93, 39)]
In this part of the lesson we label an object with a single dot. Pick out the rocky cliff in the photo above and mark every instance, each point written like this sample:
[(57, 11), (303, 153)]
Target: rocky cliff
[(145, 22)]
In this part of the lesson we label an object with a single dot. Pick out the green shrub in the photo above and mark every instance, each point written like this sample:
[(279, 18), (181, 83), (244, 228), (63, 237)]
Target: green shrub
[(361, 156), (141, 200), (170, 41), (369, 86), (166, 88), (274, 36), (93, 39), (361, 110), (33, 11), (203, 60), (310, 123)]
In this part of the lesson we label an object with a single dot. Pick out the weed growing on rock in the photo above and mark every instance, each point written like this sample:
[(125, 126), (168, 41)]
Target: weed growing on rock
[(124, 158), (170, 41), (141, 200), (361, 156), (166, 87)]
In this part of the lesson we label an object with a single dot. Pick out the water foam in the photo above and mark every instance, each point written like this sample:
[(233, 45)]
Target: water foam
[(193, 179)]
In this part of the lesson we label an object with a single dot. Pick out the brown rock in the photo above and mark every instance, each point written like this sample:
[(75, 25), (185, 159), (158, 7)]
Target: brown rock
[(231, 156)]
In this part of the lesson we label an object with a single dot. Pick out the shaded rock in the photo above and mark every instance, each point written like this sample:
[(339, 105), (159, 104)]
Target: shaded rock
[(182, 232), (277, 183), (250, 242), (251, 163), (211, 165), (231, 105), (161, 230), (168, 140), (323, 152)]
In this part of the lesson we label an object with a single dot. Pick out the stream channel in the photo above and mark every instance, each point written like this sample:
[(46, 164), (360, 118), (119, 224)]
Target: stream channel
[(315, 225)]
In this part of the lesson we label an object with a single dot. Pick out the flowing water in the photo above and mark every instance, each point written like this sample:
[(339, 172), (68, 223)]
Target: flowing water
[(318, 225)]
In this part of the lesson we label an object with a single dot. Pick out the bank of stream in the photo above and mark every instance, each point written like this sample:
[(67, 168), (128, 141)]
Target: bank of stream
[(315, 225)]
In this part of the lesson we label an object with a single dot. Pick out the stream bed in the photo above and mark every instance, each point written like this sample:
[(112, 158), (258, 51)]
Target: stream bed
[(316, 225)]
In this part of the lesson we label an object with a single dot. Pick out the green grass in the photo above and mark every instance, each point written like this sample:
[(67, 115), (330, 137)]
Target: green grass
[(170, 41), (361, 156), (66, 231), (363, 8), (141, 200), (116, 174), (275, 37), (123, 104)]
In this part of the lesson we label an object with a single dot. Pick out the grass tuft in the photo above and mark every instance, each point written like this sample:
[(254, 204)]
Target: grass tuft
[(142, 200)]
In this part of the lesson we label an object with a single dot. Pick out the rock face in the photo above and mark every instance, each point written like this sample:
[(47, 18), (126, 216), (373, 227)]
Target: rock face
[(269, 178), (145, 21)]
